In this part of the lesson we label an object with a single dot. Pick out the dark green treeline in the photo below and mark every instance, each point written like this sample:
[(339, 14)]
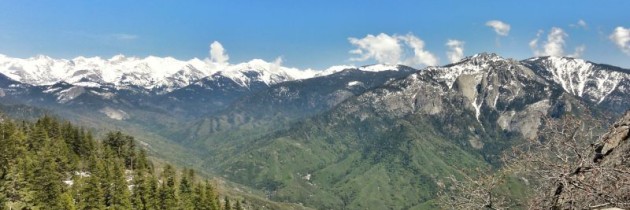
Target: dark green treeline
[(52, 164)]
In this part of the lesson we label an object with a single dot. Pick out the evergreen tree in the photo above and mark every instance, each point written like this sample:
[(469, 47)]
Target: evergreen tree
[(46, 175), (92, 196), (47, 184), (226, 203), (199, 196), (237, 205), (140, 191), (186, 189), (212, 199), (17, 186), (141, 161), (119, 191), (168, 198), (153, 195), (36, 139), (122, 145), (37, 158), (10, 149), (67, 202)]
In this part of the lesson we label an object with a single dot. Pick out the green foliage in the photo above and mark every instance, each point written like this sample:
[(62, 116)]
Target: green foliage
[(51, 164), (226, 204), (336, 161), (167, 191), (186, 189)]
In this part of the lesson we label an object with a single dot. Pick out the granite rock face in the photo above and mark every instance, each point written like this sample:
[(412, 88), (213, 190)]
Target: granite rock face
[(614, 148)]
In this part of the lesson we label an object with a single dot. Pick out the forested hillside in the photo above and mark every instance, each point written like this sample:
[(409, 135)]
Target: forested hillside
[(51, 164)]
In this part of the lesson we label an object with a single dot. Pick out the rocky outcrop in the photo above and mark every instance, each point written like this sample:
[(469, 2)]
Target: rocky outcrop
[(603, 183), (614, 149)]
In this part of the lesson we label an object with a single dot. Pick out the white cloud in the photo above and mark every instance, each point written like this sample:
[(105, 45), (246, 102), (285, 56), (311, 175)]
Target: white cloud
[(501, 28), (555, 42), (383, 48), (395, 49), (621, 38), (124, 37), (218, 54), (534, 43), (579, 50), (277, 64), (420, 56), (456, 50), (554, 45), (580, 24)]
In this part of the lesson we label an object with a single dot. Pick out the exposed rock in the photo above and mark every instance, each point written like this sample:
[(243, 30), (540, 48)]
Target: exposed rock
[(475, 142), (614, 148), (115, 114)]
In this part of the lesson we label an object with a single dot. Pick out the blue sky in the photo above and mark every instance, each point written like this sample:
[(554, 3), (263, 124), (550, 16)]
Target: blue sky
[(311, 34)]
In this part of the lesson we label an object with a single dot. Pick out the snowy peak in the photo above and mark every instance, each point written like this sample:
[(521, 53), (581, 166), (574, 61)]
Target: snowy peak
[(579, 77), (368, 68), (472, 65), (591, 81), (164, 73), (481, 58), (379, 67), (262, 71)]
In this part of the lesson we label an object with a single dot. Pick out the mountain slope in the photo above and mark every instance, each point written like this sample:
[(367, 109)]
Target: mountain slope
[(280, 104), (376, 136), (604, 85), (437, 122)]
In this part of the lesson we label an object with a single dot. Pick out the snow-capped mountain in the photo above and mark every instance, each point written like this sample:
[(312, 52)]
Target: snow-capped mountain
[(590, 81), (367, 68), (594, 82), (150, 73), (196, 87)]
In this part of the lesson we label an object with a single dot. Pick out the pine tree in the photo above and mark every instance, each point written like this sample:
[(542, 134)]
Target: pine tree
[(140, 191), (36, 159), (153, 196), (67, 202), (168, 198), (46, 177), (17, 184), (186, 189), (119, 194), (237, 205), (92, 195), (141, 161), (212, 199), (226, 203), (36, 139), (47, 184), (199, 196), (122, 145), (10, 149)]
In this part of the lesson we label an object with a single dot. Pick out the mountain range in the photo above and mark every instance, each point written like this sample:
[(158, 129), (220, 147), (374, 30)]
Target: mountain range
[(379, 136)]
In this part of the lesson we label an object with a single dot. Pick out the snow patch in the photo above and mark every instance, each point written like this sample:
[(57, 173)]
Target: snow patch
[(582, 78), (69, 94), (104, 95), (115, 114), (379, 67), (354, 83)]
